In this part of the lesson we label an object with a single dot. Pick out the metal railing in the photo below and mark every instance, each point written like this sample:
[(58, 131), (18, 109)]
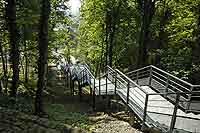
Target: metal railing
[(165, 82), (165, 113), (129, 88)]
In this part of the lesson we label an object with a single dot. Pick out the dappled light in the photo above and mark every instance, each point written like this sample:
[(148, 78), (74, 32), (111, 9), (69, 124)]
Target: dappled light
[(113, 66)]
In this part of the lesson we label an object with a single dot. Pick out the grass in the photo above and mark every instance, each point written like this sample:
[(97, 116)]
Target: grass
[(23, 104), (58, 112)]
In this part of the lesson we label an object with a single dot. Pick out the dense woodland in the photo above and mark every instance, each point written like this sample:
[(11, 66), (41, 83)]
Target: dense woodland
[(129, 34), (125, 34)]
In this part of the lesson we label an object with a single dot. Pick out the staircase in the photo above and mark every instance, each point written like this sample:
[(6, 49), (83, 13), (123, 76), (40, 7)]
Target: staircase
[(160, 99)]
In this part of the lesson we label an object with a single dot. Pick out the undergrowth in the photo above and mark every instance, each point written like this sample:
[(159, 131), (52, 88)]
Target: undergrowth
[(57, 112)]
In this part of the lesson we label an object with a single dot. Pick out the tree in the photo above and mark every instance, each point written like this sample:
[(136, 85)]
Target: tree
[(14, 47), (2, 33), (147, 10), (43, 54), (195, 50)]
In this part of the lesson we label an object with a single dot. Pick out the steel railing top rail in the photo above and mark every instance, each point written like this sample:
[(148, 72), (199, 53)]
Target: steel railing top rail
[(130, 80), (138, 70), (171, 75), (168, 74)]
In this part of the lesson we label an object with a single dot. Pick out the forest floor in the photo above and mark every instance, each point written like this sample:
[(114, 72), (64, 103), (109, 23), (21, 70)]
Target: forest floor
[(63, 107), (65, 113)]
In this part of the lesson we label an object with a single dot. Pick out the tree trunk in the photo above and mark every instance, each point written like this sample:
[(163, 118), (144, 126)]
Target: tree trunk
[(163, 37), (107, 22), (26, 68), (13, 37), (7, 76), (114, 21), (43, 53), (147, 10), (195, 75), (4, 66)]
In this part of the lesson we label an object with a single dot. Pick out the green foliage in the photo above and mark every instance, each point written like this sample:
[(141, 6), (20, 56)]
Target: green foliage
[(172, 34), (76, 119), (92, 31), (23, 104)]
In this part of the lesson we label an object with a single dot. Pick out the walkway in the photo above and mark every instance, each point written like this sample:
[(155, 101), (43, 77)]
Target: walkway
[(160, 99)]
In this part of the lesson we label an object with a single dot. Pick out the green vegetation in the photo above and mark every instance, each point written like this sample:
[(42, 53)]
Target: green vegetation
[(124, 34), (58, 112), (129, 34)]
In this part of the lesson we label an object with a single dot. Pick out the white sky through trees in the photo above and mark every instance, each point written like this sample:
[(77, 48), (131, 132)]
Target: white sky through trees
[(74, 6)]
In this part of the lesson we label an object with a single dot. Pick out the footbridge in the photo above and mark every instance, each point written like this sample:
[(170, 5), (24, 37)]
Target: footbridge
[(159, 99)]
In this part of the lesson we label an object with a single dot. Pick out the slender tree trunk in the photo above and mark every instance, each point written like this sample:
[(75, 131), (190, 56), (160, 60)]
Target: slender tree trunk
[(26, 62), (162, 34), (7, 76), (26, 68), (111, 46), (25, 55), (43, 54), (21, 66), (147, 10), (107, 22), (195, 76), (13, 37), (114, 22), (4, 65)]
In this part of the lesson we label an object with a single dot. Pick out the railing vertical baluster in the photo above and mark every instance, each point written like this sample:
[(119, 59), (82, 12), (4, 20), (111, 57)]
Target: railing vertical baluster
[(80, 90), (106, 81), (167, 84), (93, 101), (72, 88), (99, 85), (150, 76), (90, 78), (173, 120), (86, 77), (115, 83), (83, 76), (67, 80), (128, 89), (189, 98), (145, 111), (137, 76)]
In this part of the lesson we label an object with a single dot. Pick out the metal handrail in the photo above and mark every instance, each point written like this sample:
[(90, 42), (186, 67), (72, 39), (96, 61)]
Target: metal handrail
[(174, 93), (171, 75), (166, 75), (137, 70), (196, 86), (130, 80), (93, 77), (151, 66), (127, 83)]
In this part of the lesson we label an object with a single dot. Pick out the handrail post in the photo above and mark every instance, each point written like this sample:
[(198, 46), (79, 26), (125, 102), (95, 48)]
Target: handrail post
[(173, 120), (86, 77), (115, 83), (93, 100), (83, 77), (137, 76), (150, 76), (106, 81), (80, 90), (128, 89), (145, 111), (67, 80), (72, 88), (99, 84), (167, 85), (189, 98)]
